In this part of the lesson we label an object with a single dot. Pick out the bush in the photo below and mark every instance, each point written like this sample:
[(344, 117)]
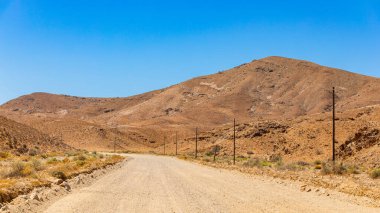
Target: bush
[(326, 169), (81, 163), (291, 167), (32, 152), (265, 163), (257, 162), (4, 155), (52, 161), (340, 169), (375, 174), (16, 169), (37, 165), (329, 168), (275, 158), (252, 162), (80, 158), (302, 163), (72, 153), (209, 154), (353, 169), (20, 169), (59, 174)]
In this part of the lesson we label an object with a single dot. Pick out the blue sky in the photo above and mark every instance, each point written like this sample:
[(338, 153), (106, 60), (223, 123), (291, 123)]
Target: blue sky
[(121, 48)]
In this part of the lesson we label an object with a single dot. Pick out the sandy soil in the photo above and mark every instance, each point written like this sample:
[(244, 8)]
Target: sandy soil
[(163, 184)]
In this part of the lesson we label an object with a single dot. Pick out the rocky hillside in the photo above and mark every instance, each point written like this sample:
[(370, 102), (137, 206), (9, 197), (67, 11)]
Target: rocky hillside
[(306, 138), (21, 139), (272, 89)]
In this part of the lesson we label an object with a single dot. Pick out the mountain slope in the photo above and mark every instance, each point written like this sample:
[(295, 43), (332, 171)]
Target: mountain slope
[(19, 138), (272, 88)]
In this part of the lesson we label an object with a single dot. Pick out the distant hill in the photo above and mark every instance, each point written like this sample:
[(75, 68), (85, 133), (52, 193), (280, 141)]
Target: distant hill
[(273, 88)]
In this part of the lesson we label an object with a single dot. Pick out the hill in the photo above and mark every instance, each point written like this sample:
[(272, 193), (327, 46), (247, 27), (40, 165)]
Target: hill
[(21, 139), (273, 89)]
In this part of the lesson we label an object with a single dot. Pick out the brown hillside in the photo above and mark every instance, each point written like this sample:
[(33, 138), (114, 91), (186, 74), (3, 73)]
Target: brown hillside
[(271, 89), (21, 139)]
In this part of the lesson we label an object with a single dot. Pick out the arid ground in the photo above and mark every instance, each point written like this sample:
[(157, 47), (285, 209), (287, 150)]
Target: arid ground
[(283, 109), (149, 183)]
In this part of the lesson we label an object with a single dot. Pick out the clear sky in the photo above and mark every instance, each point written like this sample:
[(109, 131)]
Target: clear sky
[(120, 48)]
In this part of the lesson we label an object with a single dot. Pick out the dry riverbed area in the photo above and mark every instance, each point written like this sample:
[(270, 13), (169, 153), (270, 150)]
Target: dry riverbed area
[(26, 181), (321, 177)]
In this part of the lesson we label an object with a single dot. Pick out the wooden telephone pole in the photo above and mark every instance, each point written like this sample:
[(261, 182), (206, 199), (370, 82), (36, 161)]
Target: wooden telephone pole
[(196, 142), (234, 141), (164, 145), (176, 143), (333, 128)]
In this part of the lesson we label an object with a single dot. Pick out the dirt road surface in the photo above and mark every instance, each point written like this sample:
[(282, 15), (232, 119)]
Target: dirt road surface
[(149, 183)]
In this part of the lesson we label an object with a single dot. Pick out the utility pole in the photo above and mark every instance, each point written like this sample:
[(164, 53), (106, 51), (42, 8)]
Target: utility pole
[(215, 147), (196, 142), (164, 144), (176, 143), (234, 140), (114, 145), (333, 130)]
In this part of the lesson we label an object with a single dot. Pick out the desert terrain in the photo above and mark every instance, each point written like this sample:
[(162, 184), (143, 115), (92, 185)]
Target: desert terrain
[(282, 106), (283, 113)]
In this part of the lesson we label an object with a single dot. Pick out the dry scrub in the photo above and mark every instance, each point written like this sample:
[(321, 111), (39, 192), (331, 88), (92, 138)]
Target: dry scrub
[(20, 174), (349, 179)]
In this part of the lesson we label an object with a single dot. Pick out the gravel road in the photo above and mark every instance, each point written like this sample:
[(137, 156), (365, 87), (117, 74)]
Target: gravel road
[(149, 183)]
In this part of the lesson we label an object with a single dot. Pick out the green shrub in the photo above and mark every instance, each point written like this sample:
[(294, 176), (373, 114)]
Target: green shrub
[(331, 168), (52, 161), (16, 169), (266, 163), (81, 163), (19, 169), (252, 162), (326, 169), (339, 169), (302, 163), (80, 158), (32, 152), (375, 174), (37, 165), (59, 174), (353, 169), (275, 158), (4, 155), (209, 154)]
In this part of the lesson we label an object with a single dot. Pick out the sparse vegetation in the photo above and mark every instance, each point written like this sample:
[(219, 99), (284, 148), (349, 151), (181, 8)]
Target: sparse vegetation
[(39, 170), (59, 174), (375, 174), (20, 169), (4, 155), (37, 165)]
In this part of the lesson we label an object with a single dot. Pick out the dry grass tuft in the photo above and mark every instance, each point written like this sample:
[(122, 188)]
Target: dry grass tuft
[(375, 174)]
